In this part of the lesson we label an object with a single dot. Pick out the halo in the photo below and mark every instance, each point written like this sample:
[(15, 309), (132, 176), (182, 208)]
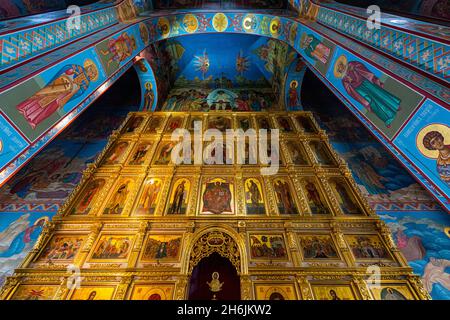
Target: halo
[(447, 231), (294, 82), (164, 26), (1, 145), (144, 33), (339, 74), (220, 22), (190, 23), (148, 86), (275, 27), (89, 63), (442, 129)]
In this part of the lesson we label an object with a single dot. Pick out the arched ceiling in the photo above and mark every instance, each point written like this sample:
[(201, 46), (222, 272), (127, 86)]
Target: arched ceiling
[(225, 60)]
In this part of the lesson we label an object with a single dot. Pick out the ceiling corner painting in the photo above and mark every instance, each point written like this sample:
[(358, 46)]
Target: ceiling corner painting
[(117, 50), (426, 140), (37, 104), (383, 100)]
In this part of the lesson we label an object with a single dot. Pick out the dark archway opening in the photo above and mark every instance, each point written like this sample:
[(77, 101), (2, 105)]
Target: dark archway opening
[(203, 287)]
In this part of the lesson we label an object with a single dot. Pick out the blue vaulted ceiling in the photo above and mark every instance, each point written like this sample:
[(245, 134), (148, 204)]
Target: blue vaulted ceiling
[(231, 59)]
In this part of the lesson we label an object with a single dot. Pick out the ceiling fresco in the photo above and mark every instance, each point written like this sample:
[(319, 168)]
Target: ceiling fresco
[(225, 60), (240, 65)]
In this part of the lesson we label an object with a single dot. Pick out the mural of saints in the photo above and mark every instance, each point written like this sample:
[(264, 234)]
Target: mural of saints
[(174, 123), (321, 153), (315, 200), (69, 83), (149, 97), (133, 124), (149, 198), (179, 197), (221, 99), (118, 50), (253, 197), (297, 153), (162, 247), (217, 197), (154, 124), (112, 247), (219, 123), (62, 248), (367, 247), (119, 198), (363, 86), (306, 124), (268, 247), (314, 48), (284, 197), (345, 199), (116, 154), (263, 123), (165, 154), (83, 205), (139, 155), (293, 94), (432, 144), (285, 124), (318, 247)]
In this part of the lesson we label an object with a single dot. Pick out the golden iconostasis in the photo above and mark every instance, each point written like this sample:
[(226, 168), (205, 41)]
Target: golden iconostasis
[(138, 225)]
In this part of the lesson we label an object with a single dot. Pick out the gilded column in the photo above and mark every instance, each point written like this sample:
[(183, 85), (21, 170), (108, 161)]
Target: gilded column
[(180, 288), (339, 236), (123, 287), (270, 193), (417, 284), (164, 194), (304, 287), (387, 236), (240, 194), (62, 291), (138, 244), (193, 194), (82, 255), (8, 286), (304, 207), (293, 246), (246, 288), (329, 191), (362, 287)]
